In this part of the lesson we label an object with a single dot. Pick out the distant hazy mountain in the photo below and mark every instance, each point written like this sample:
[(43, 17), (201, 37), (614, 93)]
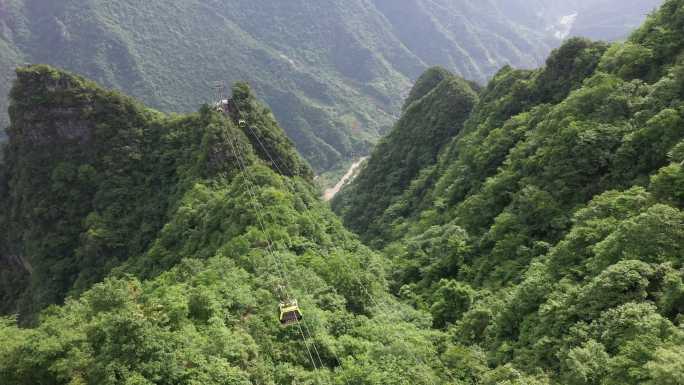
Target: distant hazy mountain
[(596, 19), (334, 72)]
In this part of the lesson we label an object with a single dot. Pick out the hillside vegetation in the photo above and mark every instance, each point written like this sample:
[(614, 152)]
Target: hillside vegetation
[(433, 113), (174, 238), (548, 237)]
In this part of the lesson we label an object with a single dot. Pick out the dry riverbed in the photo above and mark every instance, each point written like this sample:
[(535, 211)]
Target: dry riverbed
[(351, 173)]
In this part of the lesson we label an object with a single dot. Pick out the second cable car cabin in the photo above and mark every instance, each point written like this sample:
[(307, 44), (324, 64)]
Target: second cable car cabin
[(289, 312)]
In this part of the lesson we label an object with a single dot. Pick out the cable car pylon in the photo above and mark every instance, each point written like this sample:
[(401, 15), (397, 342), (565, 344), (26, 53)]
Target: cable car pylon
[(227, 105)]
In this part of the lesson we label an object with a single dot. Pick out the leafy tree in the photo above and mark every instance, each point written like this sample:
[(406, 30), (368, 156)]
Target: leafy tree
[(451, 300), (667, 367)]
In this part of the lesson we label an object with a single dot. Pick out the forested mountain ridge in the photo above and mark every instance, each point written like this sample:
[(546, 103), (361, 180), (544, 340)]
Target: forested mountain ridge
[(333, 72), (435, 110), (367, 211), (90, 174), (549, 234), (198, 235)]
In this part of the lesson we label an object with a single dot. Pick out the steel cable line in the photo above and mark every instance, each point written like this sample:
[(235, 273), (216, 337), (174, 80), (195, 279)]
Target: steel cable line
[(275, 163), (248, 184), (384, 306), (282, 270)]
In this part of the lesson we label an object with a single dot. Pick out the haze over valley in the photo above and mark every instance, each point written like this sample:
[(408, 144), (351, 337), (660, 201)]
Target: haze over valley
[(334, 72)]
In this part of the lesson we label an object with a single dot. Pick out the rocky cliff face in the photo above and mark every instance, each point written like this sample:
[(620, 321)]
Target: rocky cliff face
[(37, 123)]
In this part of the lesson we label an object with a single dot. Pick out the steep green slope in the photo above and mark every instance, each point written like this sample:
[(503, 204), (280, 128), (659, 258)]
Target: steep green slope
[(595, 19), (480, 147), (537, 242), (90, 175), (549, 233), (435, 111), (170, 53), (472, 39), (599, 19)]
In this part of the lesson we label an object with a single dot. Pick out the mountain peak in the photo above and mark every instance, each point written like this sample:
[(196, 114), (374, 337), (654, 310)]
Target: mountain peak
[(426, 83), (438, 106), (82, 158)]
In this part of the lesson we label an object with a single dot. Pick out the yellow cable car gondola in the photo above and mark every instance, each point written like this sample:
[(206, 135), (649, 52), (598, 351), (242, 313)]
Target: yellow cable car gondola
[(289, 312)]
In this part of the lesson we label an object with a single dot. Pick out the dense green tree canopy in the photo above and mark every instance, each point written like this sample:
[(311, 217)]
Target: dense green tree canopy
[(167, 242), (549, 231), (434, 113)]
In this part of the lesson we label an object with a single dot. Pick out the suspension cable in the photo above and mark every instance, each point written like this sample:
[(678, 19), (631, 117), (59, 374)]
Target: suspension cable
[(307, 345), (384, 307), (313, 342), (248, 185), (275, 163), (283, 273)]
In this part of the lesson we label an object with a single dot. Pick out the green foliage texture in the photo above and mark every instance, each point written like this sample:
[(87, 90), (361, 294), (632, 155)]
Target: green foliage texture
[(549, 231), (143, 248)]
